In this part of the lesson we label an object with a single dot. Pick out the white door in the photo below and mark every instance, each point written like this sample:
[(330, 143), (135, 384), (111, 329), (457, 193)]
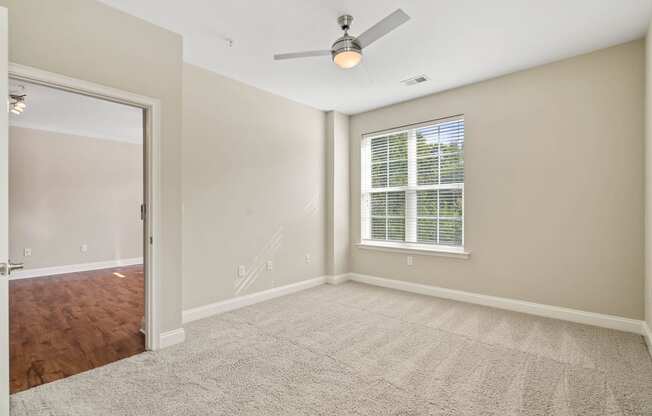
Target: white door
[(4, 217)]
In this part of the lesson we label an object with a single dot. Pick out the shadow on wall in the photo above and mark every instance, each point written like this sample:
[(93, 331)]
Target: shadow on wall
[(311, 207), (259, 262)]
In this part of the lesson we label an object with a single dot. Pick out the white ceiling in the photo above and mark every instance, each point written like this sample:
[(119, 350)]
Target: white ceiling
[(66, 112), (454, 42)]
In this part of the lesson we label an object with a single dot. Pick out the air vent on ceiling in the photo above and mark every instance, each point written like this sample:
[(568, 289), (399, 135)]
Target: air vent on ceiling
[(415, 80)]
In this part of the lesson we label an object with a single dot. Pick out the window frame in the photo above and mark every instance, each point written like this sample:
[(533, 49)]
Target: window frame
[(410, 190)]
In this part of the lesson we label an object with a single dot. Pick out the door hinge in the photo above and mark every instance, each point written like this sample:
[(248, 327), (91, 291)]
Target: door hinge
[(143, 211)]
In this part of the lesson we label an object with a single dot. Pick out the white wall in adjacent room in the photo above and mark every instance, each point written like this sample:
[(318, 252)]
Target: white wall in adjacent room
[(66, 191)]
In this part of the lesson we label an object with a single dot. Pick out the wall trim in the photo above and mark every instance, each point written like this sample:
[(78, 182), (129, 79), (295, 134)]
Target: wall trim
[(337, 279), (153, 144), (73, 268), (531, 308), (414, 250), (538, 309), (170, 338), (647, 334), (201, 312)]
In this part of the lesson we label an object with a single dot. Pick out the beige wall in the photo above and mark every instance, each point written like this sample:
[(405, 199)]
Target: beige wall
[(554, 179), (88, 40), (253, 189), (337, 193), (648, 179), (65, 191)]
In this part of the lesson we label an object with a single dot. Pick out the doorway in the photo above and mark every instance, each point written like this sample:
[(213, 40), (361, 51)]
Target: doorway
[(120, 292)]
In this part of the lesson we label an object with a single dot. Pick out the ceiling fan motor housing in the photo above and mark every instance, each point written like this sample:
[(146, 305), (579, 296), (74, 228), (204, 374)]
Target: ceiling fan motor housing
[(345, 44), (348, 47)]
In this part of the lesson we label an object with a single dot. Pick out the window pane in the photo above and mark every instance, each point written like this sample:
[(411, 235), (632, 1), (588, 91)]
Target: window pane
[(378, 204), (426, 231), (378, 228), (427, 171), (452, 168), (379, 149), (396, 229), (426, 203), (450, 232), (396, 204), (379, 175), (450, 203), (451, 139), (427, 143), (452, 134), (398, 145), (398, 173)]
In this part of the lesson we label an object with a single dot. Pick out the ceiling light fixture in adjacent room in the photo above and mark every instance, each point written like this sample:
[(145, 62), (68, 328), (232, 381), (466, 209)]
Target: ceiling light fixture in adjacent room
[(17, 101)]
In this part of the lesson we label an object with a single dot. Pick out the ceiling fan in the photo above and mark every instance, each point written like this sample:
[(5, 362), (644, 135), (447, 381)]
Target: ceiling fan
[(347, 50)]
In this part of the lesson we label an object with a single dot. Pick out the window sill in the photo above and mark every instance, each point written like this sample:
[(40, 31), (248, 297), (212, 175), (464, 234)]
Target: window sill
[(415, 249)]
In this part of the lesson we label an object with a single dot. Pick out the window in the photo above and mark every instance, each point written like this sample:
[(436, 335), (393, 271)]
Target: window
[(413, 186)]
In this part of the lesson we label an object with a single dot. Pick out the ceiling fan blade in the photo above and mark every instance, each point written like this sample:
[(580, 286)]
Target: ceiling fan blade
[(383, 27), (306, 54)]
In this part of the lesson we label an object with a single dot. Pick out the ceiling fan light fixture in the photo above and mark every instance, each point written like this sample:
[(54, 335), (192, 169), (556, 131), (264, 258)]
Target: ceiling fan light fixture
[(347, 52), (347, 59)]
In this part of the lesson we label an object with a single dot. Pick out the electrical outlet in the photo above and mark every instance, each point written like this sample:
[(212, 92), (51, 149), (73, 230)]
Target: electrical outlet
[(270, 266), (27, 252), (308, 258), (410, 260), (242, 272), (83, 248)]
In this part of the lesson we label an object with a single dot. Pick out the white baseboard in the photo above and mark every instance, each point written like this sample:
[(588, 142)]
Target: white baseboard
[(548, 311), (337, 279), (72, 268), (170, 338), (216, 308), (647, 334)]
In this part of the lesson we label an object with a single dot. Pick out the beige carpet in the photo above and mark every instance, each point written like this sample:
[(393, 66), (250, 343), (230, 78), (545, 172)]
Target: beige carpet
[(360, 350)]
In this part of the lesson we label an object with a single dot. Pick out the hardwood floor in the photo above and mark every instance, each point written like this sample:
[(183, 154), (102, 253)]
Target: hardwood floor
[(67, 324)]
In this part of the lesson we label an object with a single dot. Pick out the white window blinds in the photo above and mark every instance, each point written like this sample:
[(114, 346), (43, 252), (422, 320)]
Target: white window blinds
[(413, 185)]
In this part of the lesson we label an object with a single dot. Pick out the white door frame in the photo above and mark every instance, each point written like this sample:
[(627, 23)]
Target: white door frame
[(152, 150), (4, 217)]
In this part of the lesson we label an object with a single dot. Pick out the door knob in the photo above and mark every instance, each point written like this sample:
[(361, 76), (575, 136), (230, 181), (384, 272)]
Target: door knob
[(7, 268)]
